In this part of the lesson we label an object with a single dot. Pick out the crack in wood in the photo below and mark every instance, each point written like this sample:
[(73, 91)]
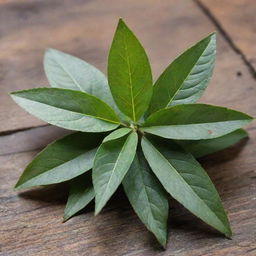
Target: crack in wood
[(226, 36)]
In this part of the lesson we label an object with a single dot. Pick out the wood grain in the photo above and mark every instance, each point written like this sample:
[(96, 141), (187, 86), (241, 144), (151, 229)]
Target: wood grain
[(238, 20), (31, 139), (30, 221), (85, 29)]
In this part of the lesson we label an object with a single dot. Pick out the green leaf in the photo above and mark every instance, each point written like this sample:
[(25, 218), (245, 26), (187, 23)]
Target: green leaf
[(194, 122), (69, 109), (187, 182), (61, 160), (69, 72), (111, 163), (129, 73), (147, 197), (117, 134), (186, 78), (81, 193), (199, 148)]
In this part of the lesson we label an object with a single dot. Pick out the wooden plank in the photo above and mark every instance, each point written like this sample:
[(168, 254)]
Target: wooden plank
[(30, 222), (31, 139), (85, 29), (237, 18)]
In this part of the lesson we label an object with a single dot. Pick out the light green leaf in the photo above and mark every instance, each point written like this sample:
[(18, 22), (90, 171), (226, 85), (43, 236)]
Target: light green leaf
[(195, 122), (187, 182), (69, 72), (69, 109), (200, 148), (111, 163), (81, 193), (147, 197), (129, 73), (61, 160), (186, 78), (117, 134)]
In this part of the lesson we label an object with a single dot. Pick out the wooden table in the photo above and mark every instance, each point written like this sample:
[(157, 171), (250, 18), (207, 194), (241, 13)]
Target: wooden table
[(31, 221)]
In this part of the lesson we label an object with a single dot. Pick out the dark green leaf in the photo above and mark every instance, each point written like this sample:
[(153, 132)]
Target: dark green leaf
[(62, 160), (147, 197), (186, 78), (81, 193), (187, 182), (111, 163), (199, 148), (69, 109), (195, 122), (69, 72), (129, 73)]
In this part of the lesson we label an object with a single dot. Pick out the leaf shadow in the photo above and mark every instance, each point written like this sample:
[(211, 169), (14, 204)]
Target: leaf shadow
[(125, 226), (224, 155), (119, 217), (221, 165), (53, 194), (182, 220)]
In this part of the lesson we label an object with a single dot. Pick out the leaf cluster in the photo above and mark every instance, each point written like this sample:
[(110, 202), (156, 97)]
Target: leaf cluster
[(131, 132)]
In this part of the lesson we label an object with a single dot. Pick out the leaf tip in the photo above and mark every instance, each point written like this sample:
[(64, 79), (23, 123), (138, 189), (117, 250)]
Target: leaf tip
[(163, 243), (122, 24), (121, 21), (98, 207), (213, 33), (65, 218), (17, 186), (228, 234), (49, 50), (21, 184), (12, 94), (97, 210)]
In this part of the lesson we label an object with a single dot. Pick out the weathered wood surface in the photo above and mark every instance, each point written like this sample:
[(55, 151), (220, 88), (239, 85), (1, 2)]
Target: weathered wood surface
[(85, 29), (30, 222), (31, 139), (237, 18)]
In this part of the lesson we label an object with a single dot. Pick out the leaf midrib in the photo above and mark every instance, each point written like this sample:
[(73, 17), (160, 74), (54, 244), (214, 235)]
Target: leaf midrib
[(57, 166), (73, 79), (164, 125), (177, 173), (130, 76), (87, 190), (149, 202), (113, 169), (97, 117), (187, 75)]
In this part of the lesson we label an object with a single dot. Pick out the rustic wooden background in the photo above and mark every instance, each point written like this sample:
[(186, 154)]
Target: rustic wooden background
[(31, 221)]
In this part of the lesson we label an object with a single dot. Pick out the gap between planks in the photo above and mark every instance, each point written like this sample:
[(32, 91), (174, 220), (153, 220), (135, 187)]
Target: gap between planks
[(226, 36)]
